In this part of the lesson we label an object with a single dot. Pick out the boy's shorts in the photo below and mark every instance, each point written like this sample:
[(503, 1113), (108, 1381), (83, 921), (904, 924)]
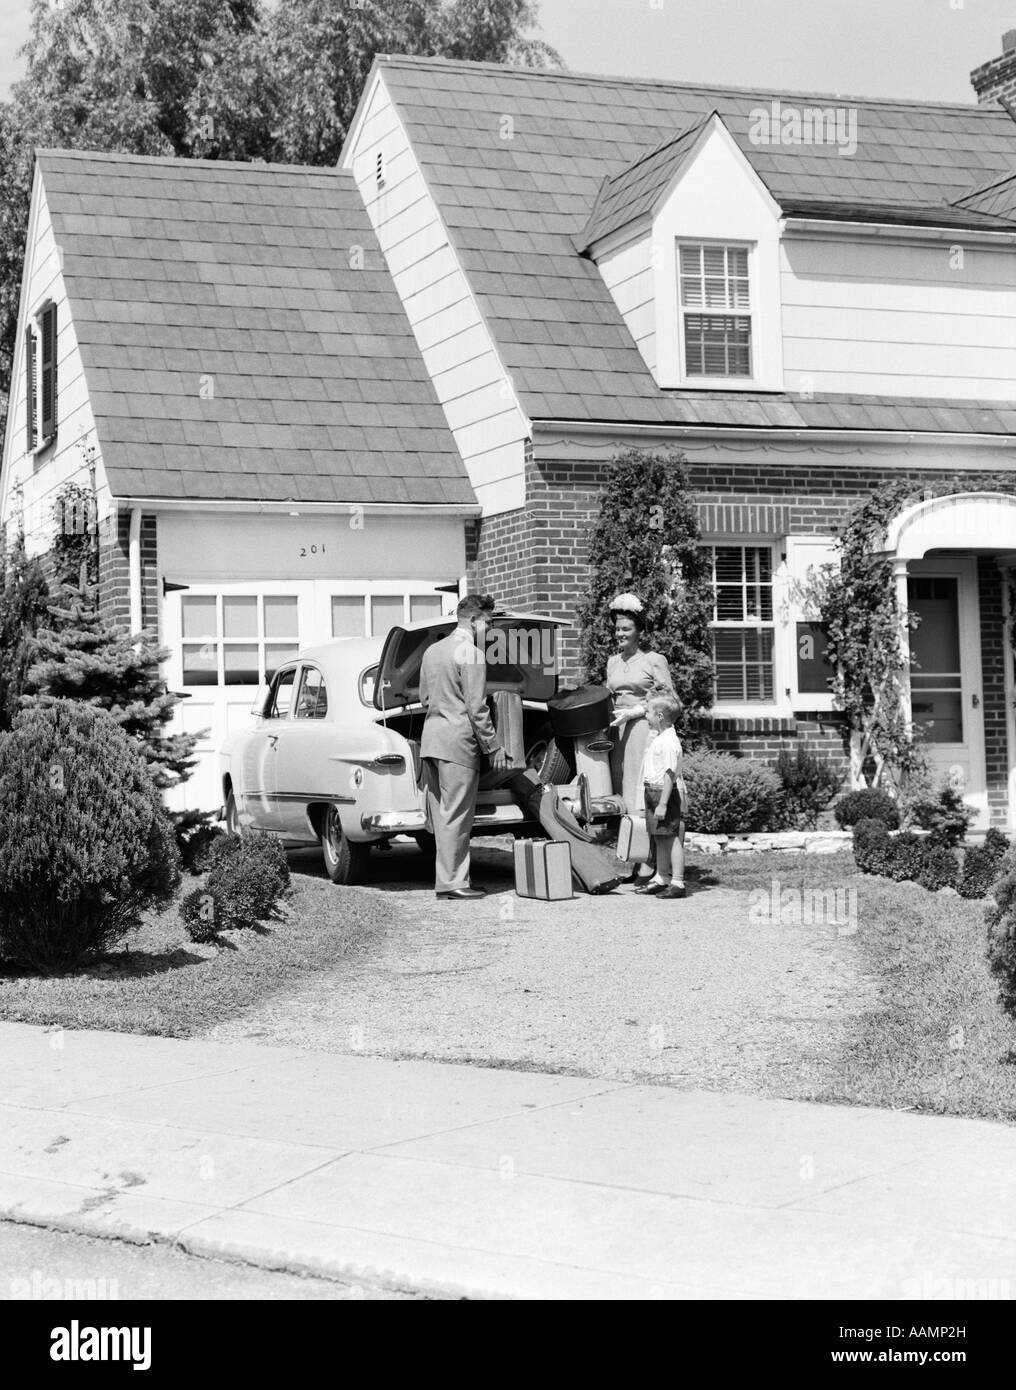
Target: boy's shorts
[(671, 825)]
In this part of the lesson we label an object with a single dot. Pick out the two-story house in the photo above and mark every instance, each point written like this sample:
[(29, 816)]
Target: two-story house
[(808, 297)]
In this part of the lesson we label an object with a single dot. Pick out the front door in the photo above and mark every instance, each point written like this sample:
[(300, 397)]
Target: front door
[(945, 685)]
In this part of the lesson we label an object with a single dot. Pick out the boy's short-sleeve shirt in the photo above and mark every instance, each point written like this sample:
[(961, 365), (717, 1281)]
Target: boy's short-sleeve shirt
[(662, 755)]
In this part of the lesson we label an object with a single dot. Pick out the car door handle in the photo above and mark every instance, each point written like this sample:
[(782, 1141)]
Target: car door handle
[(273, 739)]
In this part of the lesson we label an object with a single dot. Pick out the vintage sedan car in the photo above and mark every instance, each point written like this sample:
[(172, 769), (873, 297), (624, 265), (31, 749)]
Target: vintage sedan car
[(333, 754)]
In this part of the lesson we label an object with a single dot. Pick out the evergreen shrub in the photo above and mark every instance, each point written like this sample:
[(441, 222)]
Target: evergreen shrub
[(729, 795), (867, 804), (807, 787), (85, 844), (247, 877)]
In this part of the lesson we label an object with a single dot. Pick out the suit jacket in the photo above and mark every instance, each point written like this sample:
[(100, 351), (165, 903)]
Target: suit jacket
[(453, 686)]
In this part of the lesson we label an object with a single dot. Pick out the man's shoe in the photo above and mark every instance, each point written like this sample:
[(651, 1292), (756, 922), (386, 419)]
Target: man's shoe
[(653, 889), (675, 890), (465, 893)]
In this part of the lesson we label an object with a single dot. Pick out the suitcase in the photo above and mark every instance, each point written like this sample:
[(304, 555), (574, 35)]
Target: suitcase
[(592, 867), (543, 869), (633, 841)]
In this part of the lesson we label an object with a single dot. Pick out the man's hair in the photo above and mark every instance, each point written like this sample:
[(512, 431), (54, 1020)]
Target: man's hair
[(669, 706), (475, 606)]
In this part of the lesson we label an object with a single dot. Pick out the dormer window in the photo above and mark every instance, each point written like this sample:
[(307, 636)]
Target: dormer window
[(715, 310)]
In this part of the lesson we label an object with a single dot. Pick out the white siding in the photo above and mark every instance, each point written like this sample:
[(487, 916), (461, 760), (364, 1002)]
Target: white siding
[(482, 409), (899, 318), (30, 484), (628, 274)]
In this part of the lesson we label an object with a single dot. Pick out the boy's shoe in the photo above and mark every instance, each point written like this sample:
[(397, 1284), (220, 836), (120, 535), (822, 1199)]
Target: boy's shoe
[(654, 888), (673, 890)]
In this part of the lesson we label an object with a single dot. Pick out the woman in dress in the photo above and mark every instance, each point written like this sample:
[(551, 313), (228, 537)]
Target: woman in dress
[(632, 676)]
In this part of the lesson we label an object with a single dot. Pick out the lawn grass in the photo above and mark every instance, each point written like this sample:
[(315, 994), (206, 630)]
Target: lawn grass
[(937, 1039), (161, 982)]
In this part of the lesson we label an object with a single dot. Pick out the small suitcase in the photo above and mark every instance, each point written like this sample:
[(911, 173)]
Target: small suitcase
[(633, 843), (543, 869)]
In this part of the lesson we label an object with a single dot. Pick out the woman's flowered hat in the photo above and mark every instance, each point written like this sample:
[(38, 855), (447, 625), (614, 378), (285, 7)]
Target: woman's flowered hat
[(626, 603)]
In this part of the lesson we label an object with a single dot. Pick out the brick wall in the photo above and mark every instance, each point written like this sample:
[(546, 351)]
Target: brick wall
[(114, 572), (994, 654)]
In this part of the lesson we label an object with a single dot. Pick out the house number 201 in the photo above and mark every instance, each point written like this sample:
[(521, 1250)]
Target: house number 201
[(311, 550)]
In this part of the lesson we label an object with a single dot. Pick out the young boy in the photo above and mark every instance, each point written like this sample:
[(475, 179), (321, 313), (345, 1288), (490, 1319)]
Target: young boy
[(666, 798)]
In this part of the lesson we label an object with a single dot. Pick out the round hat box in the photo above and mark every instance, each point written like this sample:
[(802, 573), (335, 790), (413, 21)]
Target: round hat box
[(575, 713)]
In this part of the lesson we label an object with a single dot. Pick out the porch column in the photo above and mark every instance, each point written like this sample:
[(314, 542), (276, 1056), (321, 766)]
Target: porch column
[(902, 606)]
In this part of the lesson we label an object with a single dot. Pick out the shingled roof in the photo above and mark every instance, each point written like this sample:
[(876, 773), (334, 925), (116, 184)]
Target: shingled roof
[(244, 277), (515, 207)]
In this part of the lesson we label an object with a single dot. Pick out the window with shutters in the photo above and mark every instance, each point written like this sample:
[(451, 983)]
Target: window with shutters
[(743, 625), (715, 307), (40, 379)]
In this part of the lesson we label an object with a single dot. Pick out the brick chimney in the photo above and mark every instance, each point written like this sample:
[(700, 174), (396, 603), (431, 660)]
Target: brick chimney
[(997, 79)]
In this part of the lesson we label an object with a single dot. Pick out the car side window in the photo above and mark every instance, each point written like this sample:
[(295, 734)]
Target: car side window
[(282, 694), (312, 701)]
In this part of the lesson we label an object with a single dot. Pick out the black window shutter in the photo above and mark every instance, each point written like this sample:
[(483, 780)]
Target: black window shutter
[(48, 372), (30, 439)]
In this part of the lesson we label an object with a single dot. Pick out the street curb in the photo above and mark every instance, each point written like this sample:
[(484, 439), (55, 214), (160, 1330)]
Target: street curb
[(253, 1256)]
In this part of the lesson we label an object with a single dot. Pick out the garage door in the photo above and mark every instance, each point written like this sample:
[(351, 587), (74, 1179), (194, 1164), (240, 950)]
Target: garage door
[(226, 640)]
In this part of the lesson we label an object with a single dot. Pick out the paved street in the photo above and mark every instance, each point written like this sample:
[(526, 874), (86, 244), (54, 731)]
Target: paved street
[(462, 1181)]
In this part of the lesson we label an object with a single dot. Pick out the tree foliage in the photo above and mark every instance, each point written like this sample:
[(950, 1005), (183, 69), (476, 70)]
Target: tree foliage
[(216, 79), (24, 596), (647, 540)]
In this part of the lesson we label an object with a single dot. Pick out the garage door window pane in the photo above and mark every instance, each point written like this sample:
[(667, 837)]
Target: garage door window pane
[(199, 620), (347, 616), (424, 606), (201, 664), (240, 617), (385, 613), (277, 655), (241, 665), (280, 617)]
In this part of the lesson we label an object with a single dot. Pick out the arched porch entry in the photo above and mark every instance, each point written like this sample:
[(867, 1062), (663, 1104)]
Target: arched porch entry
[(952, 559)]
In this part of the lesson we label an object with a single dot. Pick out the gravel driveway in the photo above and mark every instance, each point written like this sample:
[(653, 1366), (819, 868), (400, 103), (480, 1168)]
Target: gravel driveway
[(690, 993)]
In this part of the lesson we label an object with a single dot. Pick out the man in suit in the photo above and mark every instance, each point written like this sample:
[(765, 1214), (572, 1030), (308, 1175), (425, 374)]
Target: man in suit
[(457, 732)]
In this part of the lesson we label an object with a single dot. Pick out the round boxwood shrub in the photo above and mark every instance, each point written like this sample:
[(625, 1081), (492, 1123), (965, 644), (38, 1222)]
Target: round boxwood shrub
[(85, 843), (867, 804), (247, 876), (981, 865), (939, 869), (907, 854), (872, 846), (729, 795)]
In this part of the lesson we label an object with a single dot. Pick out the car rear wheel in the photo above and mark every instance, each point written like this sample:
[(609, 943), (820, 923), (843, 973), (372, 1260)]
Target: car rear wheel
[(547, 759), (345, 862)]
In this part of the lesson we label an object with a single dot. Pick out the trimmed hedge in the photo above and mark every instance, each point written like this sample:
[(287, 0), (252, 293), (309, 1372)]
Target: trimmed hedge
[(904, 857), (85, 843), (867, 804), (247, 877), (1000, 920), (981, 865), (729, 795)]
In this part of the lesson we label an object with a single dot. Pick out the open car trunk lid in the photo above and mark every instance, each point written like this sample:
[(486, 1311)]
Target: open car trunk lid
[(520, 649)]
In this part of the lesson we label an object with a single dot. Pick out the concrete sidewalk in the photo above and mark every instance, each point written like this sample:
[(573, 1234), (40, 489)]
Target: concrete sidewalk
[(464, 1181)]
